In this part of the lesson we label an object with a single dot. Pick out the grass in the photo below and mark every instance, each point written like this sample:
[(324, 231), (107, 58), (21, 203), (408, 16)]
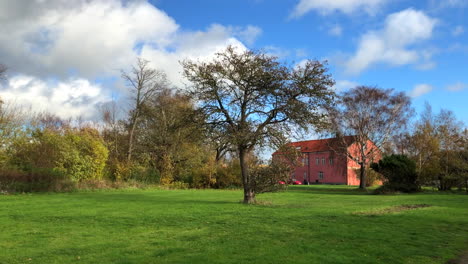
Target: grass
[(306, 224)]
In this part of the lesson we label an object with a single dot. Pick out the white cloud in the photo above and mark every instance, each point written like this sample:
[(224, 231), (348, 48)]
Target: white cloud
[(326, 7), (458, 30), (336, 30), (420, 89), (248, 34), (72, 98), (200, 45), (76, 42), (87, 37), (394, 43), (342, 85), (459, 86)]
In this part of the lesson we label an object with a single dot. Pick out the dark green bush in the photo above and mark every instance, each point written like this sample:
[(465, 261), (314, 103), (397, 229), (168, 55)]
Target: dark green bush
[(399, 173), (36, 180)]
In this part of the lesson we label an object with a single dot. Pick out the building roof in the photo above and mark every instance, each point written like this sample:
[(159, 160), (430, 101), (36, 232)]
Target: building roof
[(319, 145)]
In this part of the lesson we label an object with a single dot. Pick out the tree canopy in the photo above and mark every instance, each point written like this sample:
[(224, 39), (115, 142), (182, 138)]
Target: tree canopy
[(253, 98)]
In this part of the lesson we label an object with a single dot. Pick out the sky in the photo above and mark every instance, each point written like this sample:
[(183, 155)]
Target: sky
[(66, 56)]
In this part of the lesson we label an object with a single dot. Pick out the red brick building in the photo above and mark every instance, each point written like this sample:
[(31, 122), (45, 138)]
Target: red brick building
[(324, 161)]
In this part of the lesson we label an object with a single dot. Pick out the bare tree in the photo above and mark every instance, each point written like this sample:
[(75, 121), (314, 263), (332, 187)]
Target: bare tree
[(144, 83), (251, 97), (369, 114)]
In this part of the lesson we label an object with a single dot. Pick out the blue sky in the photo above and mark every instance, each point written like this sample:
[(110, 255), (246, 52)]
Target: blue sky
[(65, 56)]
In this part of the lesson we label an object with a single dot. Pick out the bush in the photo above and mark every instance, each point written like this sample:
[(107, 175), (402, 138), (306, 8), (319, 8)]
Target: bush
[(37, 180), (267, 178), (399, 172), (76, 154), (372, 177)]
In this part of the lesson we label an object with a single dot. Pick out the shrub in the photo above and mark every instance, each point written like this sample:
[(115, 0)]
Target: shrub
[(267, 178), (36, 180), (372, 177), (399, 172), (76, 154)]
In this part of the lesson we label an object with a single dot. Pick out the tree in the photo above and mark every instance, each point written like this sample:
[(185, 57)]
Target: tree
[(436, 144), (144, 83), (399, 172), (171, 134), (368, 114), (251, 97)]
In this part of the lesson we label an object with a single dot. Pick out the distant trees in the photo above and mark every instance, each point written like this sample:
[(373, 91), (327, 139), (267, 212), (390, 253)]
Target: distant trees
[(368, 114), (438, 144), (251, 97)]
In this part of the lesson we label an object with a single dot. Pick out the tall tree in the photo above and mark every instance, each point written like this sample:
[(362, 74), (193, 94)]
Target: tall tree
[(253, 97), (171, 134), (368, 114), (144, 83)]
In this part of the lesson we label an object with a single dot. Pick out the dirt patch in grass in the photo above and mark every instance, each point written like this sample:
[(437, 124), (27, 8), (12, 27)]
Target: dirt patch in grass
[(393, 209), (462, 259)]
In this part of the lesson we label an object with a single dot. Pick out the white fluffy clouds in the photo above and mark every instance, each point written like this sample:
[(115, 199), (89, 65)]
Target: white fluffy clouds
[(326, 7), (420, 89), (70, 98), (394, 43), (76, 42), (87, 37)]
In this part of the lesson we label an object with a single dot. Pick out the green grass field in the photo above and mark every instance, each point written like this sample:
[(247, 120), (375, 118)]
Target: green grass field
[(306, 224)]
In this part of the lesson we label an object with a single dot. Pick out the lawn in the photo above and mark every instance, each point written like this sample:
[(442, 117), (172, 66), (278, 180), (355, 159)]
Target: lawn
[(306, 224)]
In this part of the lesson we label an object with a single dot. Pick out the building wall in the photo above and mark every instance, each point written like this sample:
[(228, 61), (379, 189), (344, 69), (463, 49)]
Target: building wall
[(352, 166), (343, 170), (334, 172)]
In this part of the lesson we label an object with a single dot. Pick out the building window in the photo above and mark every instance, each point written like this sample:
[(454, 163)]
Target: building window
[(330, 160), (317, 161), (320, 175), (307, 160), (323, 161), (305, 176)]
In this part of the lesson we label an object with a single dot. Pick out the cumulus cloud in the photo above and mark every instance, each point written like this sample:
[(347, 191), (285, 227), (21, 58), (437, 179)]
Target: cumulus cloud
[(326, 7), (78, 42), (456, 87), (393, 44), (420, 89), (71, 98), (90, 38), (200, 45)]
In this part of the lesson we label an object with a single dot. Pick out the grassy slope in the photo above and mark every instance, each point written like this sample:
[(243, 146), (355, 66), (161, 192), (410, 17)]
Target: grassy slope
[(309, 224)]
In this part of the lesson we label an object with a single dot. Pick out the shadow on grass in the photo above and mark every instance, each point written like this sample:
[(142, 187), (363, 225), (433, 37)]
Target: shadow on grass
[(331, 189), (163, 198)]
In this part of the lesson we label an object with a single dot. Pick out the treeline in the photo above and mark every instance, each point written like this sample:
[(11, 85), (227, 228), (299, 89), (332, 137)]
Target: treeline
[(437, 144), (41, 152), (206, 136)]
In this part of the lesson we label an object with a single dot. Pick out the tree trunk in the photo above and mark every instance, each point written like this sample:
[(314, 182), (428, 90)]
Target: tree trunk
[(249, 192), (130, 141), (362, 177)]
